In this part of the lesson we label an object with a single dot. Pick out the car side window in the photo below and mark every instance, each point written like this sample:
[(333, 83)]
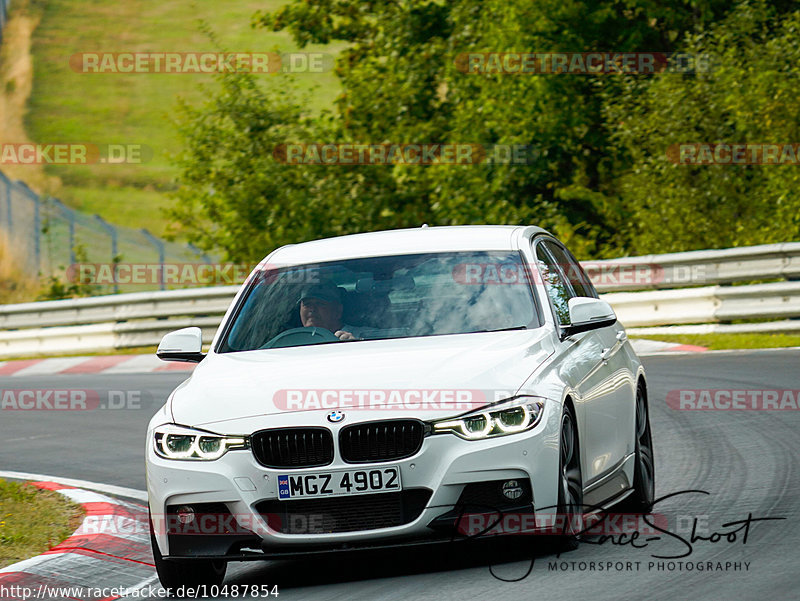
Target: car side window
[(557, 288), (572, 270)]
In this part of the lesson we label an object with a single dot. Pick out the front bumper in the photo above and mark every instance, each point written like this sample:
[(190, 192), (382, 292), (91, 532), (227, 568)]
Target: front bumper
[(433, 481)]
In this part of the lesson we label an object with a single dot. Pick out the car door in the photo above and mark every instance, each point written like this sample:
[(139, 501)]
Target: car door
[(577, 356), (608, 399), (589, 364)]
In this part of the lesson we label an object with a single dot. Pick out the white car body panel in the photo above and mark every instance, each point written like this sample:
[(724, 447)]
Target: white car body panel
[(485, 362), (233, 394)]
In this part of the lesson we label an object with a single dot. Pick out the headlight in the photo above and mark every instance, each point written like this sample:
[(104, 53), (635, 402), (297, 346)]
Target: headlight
[(176, 442), (509, 417)]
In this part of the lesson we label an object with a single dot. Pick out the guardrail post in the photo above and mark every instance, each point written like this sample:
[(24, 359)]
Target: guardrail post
[(9, 220), (71, 221), (159, 244), (37, 226), (198, 252), (69, 215), (3, 15), (37, 230), (112, 232)]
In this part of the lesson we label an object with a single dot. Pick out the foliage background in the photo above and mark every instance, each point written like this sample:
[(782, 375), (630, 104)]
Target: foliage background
[(602, 181)]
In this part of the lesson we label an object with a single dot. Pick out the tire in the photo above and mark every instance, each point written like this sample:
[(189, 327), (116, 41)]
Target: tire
[(570, 483), (644, 474), (175, 574)]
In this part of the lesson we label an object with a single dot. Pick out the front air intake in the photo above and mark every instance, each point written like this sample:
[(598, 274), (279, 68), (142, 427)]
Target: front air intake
[(293, 447), (381, 441)]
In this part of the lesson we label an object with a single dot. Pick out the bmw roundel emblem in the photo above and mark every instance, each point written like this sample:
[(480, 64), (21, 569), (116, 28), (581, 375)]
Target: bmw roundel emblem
[(335, 417)]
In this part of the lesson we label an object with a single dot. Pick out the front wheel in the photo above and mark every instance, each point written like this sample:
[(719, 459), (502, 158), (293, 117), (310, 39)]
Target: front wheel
[(641, 500), (570, 484), (175, 574)]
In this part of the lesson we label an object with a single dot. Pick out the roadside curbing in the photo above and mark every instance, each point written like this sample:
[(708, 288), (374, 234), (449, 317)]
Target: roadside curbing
[(106, 365), (109, 551), (644, 347)]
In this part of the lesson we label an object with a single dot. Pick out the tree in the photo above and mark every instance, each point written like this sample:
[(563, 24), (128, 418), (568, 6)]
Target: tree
[(598, 161), (748, 97)]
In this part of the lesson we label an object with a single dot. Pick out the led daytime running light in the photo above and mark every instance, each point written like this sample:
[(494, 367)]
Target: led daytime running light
[(495, 425), (165, 436), (526, 411)]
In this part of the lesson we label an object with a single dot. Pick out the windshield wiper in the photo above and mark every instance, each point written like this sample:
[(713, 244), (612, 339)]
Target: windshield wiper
[(500, 329)]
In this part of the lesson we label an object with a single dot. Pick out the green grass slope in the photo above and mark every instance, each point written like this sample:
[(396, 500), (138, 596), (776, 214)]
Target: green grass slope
[(136, 108)]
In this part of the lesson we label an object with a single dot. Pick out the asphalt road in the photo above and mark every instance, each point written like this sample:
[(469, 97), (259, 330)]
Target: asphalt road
[(747, 461)]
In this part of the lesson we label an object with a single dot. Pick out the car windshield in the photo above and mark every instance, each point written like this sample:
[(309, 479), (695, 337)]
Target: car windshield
[(383, 297)]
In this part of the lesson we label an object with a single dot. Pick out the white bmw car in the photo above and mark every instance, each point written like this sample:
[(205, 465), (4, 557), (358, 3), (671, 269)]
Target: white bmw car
[(393, 388)]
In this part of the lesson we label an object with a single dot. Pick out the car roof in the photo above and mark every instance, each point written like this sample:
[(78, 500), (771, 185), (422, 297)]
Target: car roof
[(405, 241)]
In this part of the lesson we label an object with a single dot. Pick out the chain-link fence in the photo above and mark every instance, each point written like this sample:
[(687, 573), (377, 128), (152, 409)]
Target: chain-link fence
[(50, 237), (3, 16)]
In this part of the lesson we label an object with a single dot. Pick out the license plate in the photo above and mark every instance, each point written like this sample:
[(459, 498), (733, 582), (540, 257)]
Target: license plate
[(334, 484)]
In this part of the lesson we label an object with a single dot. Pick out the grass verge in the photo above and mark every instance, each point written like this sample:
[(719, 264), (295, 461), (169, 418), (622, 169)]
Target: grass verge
[(33, 520), (137, 108), (717, 342), (16, 285)]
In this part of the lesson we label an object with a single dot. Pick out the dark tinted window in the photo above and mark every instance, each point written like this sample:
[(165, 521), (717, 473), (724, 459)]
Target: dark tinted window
[(388, 297), (557, 289), (581, 285)]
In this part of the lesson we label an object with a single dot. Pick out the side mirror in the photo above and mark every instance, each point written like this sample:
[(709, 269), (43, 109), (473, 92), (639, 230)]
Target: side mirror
[(586, 313), (182, 345)]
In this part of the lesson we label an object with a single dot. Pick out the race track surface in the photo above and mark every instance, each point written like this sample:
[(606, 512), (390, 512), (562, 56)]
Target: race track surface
[(747, 461)]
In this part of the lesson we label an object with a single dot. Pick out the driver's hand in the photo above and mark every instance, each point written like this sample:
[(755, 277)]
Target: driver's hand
[(342, 335)]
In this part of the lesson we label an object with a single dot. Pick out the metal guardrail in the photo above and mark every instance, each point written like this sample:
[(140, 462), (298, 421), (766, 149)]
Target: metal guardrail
[(779, 300), (118, 308), (100, 337), (104, 323), (139, 319), (699, 267)]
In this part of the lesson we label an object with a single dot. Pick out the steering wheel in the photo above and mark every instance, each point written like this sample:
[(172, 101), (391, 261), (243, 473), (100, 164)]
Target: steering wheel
[(301, 337)]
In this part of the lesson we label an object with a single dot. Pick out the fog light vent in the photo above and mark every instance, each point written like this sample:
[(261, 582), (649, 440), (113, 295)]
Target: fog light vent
[(185, 514), (512, 490)]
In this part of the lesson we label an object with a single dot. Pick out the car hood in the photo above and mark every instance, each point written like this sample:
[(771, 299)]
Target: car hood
[(232, 392)]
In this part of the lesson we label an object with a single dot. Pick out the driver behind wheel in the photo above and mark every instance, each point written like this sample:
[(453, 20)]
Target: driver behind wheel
[(321, 307)]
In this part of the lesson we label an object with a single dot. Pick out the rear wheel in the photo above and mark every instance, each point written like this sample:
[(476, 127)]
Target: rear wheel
[(570, 484), (641, 500), (175, 574)]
